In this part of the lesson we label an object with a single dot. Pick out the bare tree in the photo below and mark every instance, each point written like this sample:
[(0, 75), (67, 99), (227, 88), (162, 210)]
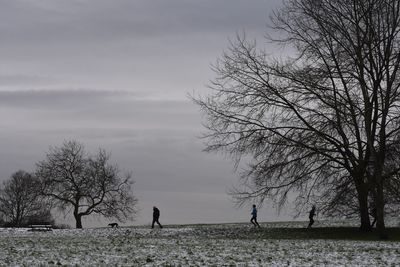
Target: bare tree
[(316, 124), (84, 184), (20, 199)]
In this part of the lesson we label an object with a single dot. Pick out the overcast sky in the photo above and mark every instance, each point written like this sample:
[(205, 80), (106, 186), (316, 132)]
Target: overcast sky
[(116, 74)]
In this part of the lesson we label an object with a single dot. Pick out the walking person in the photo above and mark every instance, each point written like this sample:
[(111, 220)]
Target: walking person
[(373, 214), (156, 216), (253, 219), (311, 216)]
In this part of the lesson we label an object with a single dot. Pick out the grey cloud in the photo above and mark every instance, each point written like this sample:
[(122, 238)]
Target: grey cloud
[(63, 21), (56, 99), (89, 109), (68, 98), (130, 45), (25, 80)]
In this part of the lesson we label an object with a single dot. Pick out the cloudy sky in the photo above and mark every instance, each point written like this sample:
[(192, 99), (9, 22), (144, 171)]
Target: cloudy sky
[(116, 74)]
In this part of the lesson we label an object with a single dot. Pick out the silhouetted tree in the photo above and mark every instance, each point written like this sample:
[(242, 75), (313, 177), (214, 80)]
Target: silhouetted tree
[(85, 184), (20, 199), (316, 124), (345, 202)]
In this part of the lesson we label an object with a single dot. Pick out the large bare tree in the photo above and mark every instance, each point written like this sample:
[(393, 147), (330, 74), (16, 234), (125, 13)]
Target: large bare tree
[(84, 184), (316, 124)]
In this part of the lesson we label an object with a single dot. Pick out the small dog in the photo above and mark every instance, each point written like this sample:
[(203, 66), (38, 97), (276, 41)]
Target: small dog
[(113, 225)]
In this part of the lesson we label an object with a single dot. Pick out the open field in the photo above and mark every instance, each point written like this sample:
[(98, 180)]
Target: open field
[(275, 244)]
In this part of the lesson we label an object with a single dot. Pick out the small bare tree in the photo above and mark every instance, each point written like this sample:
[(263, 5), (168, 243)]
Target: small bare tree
[(85, 184), (20, 199)]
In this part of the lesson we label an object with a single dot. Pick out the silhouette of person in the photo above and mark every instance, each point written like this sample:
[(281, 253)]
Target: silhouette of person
[(156, 216), (373, 214), (311, 217), (253, 219)]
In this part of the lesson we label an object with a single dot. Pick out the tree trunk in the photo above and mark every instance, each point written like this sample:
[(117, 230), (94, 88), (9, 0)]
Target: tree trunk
[(379, 195), (78, 219), (364, 214), (380, 211), (18, 217)]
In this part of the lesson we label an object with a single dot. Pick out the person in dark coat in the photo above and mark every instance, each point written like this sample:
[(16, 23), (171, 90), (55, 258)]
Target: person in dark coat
[(156, 216), (373, 214), (253, 219), (311, 217)]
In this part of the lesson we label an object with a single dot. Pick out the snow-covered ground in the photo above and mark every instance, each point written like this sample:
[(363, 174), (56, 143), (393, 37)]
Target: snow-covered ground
[(192, 245)]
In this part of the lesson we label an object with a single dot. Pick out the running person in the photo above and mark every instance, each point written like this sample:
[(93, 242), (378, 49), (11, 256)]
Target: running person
[(253, 219)]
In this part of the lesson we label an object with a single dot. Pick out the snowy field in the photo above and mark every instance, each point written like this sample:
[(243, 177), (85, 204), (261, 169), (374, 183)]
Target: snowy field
[(192, 245)]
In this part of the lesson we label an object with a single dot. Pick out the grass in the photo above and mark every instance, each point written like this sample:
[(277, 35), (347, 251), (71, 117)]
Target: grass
[(295, 231), (334, 233), (240, 244)]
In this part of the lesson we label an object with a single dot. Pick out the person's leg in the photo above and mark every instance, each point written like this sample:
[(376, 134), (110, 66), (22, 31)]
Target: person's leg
[(252, 220), (159, 224), (152, 224), (373, 223), (256, 223), (311, 223)]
